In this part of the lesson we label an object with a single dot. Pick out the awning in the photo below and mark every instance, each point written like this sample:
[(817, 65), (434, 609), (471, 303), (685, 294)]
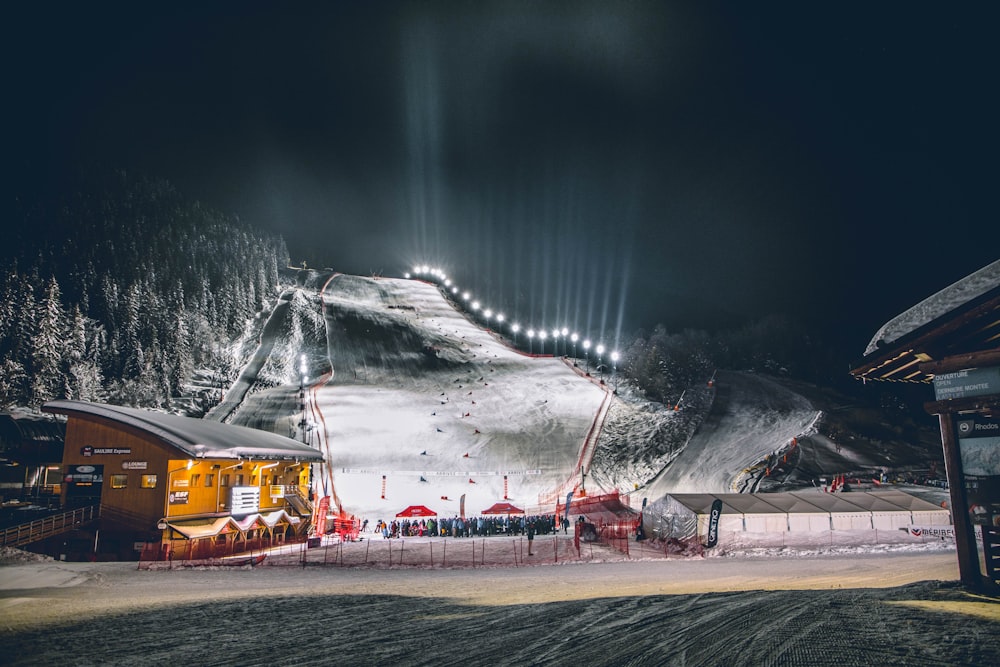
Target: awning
[(502, 508), (201, 528), (416, 511)]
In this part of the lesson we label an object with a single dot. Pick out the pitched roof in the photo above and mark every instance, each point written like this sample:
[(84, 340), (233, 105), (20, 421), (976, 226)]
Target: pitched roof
[(962, 318), (197, 438)]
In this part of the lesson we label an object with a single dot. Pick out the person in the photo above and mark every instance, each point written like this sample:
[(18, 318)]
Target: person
[(565, 524), (531, 536)]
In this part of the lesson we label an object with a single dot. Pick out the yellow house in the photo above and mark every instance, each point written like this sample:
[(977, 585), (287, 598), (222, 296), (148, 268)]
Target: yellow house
[(176, 487)]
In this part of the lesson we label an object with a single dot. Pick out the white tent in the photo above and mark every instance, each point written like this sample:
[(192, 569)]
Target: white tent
[(802, 515)]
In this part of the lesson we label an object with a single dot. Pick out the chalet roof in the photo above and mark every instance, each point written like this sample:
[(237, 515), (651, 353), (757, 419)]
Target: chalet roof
[(961, 319), (197, 438)]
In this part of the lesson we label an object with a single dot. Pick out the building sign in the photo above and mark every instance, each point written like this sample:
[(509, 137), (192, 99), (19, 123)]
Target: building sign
[(135, 465), (99, 451), (84, 475), (244, 500), (178, 497), (277, 491), (967, 383), (979, 447)]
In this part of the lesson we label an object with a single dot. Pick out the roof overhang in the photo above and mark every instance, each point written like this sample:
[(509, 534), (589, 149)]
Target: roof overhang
[(965, 337)]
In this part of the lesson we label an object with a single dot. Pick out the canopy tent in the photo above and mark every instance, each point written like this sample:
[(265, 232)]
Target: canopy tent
[(502, 508), (415, 511)]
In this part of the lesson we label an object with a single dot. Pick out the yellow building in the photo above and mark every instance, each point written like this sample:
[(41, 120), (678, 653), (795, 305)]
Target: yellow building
[(175, 487)]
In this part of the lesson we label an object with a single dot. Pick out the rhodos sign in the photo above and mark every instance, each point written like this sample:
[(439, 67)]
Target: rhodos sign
[(713, 523)]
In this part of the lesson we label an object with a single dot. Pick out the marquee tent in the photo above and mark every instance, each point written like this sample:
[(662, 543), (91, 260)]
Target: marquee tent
[(502, 508), (795, 516), (416, 511)]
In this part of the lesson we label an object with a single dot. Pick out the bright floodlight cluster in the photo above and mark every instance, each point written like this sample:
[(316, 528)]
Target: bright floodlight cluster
[(560, 337)]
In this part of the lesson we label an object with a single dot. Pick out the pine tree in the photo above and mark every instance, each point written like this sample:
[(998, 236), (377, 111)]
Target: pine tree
[(47, 381)]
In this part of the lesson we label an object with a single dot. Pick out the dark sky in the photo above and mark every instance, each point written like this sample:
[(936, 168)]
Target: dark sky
[(604, 165)]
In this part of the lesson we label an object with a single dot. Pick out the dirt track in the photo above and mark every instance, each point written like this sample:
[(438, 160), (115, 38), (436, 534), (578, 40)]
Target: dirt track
[(815, 611)]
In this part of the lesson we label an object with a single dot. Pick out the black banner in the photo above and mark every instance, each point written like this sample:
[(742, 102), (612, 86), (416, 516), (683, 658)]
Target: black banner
[(713, 523)]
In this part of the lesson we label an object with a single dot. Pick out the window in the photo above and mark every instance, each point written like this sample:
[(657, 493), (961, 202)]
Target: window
[(224, 480), (253, 480), (119, 481), (209, 480), (239, 480), (195, 479), (148, 482)]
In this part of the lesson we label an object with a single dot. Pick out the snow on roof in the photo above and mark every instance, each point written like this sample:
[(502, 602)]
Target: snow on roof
[(798, 502), (938, 305), (197, 438)]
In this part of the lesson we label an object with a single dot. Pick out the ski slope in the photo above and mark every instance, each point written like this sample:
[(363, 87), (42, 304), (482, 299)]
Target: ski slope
[(414, 403), (751, 417), (419, 404)]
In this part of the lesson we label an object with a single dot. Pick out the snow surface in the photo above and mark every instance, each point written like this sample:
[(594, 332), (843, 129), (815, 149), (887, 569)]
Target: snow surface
[(937, 305), (409, 388), (751, 417), (820, 608)]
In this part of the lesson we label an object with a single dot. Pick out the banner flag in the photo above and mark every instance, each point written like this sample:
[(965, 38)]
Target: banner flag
[(461, 506), (569, 499), (713, 523)]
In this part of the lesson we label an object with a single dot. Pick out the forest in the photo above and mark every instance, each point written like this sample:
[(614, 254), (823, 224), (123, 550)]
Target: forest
[(116, 290)]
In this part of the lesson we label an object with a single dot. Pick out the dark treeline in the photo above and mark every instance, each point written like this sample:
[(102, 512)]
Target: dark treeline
[(117, 290), (663, 364)]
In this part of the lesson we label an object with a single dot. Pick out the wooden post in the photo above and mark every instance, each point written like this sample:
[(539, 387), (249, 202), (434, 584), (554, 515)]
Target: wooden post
[(965, 538)]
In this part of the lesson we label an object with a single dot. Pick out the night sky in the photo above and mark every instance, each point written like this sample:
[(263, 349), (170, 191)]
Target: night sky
[(604, 166)]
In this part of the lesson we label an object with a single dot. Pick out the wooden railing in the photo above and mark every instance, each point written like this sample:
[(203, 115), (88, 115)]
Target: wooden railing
[(40, 529)]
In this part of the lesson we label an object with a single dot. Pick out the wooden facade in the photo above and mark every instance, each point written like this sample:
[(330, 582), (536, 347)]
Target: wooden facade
[(178, 494)]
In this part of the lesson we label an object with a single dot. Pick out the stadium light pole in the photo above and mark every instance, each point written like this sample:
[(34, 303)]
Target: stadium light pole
[(574, 337), (614, 369), (565, 334), (586, 352), (600, 366), (531, 341), (514, 328), (541, 341)]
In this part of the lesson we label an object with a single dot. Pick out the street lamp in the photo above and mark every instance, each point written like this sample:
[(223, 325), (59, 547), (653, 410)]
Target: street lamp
[(514, 329), (531, 341), (574, 337), (541, 341), (600, 366), (586, 352)]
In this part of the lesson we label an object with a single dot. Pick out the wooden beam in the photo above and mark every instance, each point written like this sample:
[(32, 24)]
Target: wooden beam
[(965, 536), (983, 404), (958, 362)]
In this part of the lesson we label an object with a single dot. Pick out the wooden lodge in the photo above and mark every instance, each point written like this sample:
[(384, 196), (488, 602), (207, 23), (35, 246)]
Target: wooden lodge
[(171, 487)]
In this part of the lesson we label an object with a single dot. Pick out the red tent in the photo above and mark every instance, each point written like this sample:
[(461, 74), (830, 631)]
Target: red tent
[(416, 511), (503, 508)]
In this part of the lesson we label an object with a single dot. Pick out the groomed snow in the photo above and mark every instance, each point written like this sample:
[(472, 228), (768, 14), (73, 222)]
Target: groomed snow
[(414, 391)]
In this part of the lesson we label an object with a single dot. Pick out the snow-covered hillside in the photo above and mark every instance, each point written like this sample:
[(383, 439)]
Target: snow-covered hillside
[(415, 403), (412, 398)]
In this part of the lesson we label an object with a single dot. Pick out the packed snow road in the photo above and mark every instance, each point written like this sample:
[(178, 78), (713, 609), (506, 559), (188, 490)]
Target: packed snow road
[(861, 609)]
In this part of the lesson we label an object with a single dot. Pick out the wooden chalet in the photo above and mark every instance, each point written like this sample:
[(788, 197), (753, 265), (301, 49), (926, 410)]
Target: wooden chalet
[(175, 487)]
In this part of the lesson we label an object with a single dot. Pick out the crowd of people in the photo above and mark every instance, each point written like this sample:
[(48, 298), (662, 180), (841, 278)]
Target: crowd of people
[(476, 526)]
